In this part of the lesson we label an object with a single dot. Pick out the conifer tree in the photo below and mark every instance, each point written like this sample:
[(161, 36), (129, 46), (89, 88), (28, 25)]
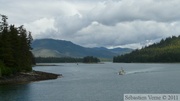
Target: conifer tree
[(15, 48)]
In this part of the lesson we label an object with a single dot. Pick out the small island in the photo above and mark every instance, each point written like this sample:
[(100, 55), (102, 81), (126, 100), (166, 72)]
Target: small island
[(16, 58), (90, 59)]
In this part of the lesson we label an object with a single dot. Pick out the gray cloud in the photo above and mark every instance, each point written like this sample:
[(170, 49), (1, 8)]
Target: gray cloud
[(112, 12), (124, 33), (109, 23)]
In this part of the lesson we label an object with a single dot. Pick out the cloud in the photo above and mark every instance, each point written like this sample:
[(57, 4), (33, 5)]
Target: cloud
[(124, 33), (109, 23), (112, 12), (70, 24), (40, 26)]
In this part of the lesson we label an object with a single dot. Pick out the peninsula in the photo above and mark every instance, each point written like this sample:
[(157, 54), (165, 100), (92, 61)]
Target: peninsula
[(16, 58)]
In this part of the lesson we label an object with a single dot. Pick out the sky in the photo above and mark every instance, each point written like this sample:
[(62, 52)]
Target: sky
[(97, 23)]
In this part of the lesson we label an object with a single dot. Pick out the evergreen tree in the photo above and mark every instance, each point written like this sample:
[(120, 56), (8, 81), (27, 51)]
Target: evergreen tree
[(15, 48)]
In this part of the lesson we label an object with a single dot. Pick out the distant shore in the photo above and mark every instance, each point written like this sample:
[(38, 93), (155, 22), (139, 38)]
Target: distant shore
[(25, 77)]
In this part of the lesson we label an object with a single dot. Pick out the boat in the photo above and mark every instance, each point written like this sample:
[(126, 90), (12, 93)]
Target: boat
[(122, 72)]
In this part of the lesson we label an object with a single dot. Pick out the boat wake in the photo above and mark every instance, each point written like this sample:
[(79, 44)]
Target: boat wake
[(150, 70), (139, 72)]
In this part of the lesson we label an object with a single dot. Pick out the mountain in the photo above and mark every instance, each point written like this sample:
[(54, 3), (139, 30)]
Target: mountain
[(62, 48), (167, 50)]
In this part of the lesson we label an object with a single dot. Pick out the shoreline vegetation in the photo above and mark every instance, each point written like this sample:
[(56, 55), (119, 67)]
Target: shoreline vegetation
[(15, 49), (26, 77), (86, 59)]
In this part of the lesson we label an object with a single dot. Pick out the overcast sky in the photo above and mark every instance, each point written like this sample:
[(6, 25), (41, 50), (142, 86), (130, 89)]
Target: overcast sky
[(97, 23)]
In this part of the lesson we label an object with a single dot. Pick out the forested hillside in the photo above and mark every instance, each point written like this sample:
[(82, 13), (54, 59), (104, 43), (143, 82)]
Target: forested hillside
[(15, 48), (167, 50)]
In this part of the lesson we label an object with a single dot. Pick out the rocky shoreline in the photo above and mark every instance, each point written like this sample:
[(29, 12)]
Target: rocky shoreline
[(24, 77)]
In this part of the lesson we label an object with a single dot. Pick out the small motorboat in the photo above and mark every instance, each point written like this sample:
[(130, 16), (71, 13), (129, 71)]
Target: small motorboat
[(122, 72)]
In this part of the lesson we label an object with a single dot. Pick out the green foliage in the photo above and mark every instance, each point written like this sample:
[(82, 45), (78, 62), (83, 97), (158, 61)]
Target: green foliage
[(4, 71), (90, 59), (167, 50), (15, 48)]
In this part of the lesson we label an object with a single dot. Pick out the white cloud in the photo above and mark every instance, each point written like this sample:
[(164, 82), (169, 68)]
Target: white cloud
[(40, 26), (108, 23)]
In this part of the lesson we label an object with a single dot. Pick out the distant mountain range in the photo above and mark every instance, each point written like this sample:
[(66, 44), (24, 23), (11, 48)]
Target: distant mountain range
[(62, 48)]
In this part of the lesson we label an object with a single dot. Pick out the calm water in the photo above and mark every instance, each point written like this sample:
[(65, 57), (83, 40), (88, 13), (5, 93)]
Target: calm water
[(97, 82)]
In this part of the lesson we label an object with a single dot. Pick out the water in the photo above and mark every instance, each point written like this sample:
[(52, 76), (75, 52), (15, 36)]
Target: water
[(97, 82)]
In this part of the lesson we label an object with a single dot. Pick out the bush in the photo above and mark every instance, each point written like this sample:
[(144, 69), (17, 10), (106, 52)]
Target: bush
[(4, 71)]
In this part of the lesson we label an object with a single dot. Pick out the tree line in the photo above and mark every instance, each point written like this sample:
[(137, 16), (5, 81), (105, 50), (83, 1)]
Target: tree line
[(15, 48), (57, 60), (166, 51), (87, 59)]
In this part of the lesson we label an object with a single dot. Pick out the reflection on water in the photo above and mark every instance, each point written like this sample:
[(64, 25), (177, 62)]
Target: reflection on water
[(96, 82), (15, 92)]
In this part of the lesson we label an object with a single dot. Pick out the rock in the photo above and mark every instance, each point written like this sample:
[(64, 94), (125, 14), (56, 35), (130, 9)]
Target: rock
[(23, 77)]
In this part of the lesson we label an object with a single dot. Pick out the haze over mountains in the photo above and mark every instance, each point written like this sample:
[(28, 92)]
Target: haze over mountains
[(62, 48)]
